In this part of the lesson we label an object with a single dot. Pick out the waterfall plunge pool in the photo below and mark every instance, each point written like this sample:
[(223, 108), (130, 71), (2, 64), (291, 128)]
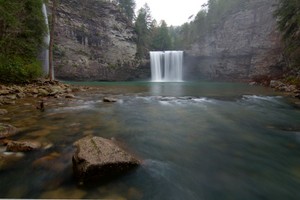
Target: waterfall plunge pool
[(198, 140)]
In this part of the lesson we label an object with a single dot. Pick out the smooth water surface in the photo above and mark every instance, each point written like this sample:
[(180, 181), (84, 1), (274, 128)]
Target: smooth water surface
[(197, 140)]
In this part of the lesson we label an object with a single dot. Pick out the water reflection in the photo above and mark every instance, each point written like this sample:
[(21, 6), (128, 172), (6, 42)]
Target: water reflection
[(171, 89), (198, 141)]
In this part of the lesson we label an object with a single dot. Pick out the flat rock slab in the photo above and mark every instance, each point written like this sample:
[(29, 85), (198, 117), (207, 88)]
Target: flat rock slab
[(99, 159), (7, 130)]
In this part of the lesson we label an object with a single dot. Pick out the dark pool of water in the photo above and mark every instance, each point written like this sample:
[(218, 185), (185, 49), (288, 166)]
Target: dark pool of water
[(197, 141)]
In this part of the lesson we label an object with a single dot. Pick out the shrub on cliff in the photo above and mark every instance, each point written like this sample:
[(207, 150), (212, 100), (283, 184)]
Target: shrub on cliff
[(22, 28), (288, 14)]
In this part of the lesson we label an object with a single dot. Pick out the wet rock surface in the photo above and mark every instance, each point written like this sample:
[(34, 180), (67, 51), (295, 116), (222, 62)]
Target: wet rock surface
[(99, 159), (283, 87), (109, 100), (3, 111), (23, 146), (7, 130)]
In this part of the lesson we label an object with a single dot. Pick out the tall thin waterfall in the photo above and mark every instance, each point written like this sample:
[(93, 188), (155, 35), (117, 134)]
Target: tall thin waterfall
[(166, 66), (45, 52)]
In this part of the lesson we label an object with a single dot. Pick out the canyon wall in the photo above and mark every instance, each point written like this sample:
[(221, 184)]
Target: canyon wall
[(94, 41), (244, 45)]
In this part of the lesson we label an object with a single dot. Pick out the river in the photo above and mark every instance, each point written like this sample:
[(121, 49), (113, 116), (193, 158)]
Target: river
[(197, 140)]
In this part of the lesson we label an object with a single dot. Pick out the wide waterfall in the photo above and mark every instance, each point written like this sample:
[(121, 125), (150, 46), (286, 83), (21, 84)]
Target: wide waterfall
[(166, 66)]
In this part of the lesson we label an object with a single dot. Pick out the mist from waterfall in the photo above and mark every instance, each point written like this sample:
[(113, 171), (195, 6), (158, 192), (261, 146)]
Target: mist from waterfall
[(166, 66)]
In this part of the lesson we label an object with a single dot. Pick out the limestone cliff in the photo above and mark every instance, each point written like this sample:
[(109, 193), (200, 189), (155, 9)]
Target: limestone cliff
[(243, 45), (94, 41)]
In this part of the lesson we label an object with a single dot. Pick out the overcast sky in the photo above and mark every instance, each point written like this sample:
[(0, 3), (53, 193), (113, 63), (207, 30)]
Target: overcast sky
[(174, 12)]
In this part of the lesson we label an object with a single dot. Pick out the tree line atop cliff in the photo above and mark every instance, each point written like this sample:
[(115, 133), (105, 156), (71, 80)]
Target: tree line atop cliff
[(152, 36)]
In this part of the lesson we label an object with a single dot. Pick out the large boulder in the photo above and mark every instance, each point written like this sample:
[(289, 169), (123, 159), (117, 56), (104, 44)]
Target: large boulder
[(99, 159), (7, 130)]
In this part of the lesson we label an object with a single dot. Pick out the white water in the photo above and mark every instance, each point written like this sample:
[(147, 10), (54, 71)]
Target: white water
[(166, 66), (45, 53)]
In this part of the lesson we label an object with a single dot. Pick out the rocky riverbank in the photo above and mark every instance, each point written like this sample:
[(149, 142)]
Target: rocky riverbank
[(292, 90), (32, 98), (21, 109), (9, 94)]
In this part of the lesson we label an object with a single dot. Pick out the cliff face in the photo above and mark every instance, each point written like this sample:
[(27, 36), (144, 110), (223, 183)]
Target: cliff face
[(94, 41), (244, 45)]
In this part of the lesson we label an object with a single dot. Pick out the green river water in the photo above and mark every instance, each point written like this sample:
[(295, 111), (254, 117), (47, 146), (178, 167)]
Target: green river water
[(197, 141)]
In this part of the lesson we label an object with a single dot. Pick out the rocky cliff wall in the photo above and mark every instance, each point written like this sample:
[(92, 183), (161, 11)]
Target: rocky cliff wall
[(244, 45), (94, 41)]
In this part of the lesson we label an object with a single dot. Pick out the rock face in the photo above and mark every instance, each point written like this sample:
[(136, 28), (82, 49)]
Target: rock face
[(244, 45), (95, 41), (97, 159)]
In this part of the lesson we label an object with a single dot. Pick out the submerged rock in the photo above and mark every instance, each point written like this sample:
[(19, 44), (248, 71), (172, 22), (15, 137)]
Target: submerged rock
[(23, 146), (7, 130), (3, 111), (97, 159), (70, 96)]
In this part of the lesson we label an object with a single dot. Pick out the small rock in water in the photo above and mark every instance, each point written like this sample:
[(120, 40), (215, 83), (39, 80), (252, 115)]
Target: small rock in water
[(252, 83), (3, 111), (97, 159), (7, 130), (50, 162), (109, 99), (41, 106), (23, 146), (70, 96), (6, 119), (64, 193), (133, 193)]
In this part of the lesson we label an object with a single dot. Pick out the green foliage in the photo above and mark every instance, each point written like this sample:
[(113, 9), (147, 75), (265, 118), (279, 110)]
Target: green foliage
[(143, 29), (161, 39), (209, 16), (288, 14), (127, 6), (16, 69), (22, 28), (293, 80)]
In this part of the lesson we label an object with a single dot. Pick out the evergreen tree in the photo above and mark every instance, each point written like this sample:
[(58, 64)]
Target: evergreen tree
[(143, 26), (161, 39), (288, 14), (210, 15), (128, 7)]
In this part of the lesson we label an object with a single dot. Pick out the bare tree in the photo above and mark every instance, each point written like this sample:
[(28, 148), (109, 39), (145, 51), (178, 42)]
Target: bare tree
[(51, 44)]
